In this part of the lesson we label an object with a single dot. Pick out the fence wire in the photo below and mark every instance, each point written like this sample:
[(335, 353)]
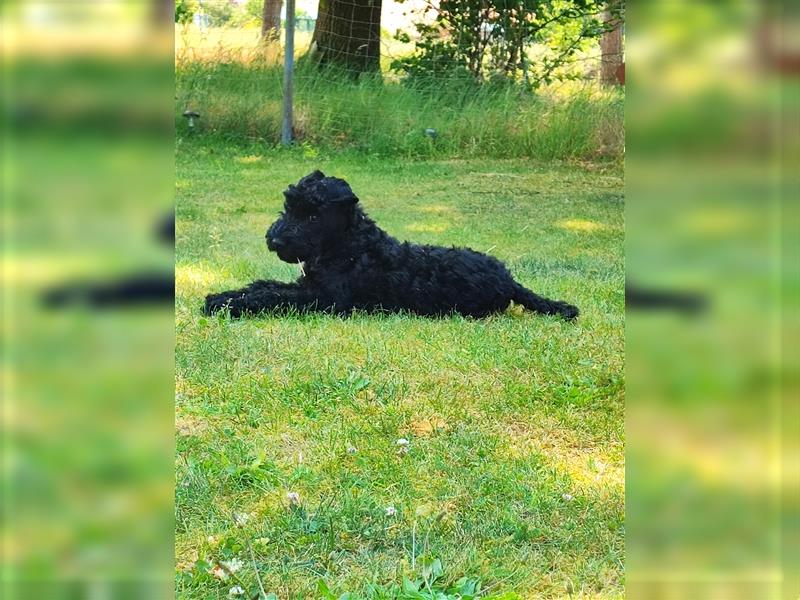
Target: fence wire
[(357, 85)]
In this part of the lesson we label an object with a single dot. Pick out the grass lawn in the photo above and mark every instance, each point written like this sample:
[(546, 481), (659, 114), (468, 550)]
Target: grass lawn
[(513, 474)]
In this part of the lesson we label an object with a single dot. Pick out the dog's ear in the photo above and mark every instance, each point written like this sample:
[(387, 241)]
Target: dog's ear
[(336, 192), (350, 200)]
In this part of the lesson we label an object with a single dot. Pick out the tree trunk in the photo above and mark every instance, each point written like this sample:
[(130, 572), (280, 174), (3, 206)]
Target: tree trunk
[(611, 61), (271, 20), (348, 34), (163, 13)]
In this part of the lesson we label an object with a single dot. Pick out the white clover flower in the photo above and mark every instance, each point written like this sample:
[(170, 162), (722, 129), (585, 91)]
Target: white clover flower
[(293, 498), (235, 591), (352, 449), (232, 565), (241, 519), (402, 442), (212, 539), (567, 497), (391, 511)]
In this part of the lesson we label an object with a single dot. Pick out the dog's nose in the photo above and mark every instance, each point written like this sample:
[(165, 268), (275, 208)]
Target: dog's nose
[(275, 242)]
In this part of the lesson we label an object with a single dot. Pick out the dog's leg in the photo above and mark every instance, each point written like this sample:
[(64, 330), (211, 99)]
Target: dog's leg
[(267, 296)]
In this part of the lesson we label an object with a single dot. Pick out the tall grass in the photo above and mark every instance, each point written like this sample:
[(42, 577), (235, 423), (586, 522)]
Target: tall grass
[(386, 117)]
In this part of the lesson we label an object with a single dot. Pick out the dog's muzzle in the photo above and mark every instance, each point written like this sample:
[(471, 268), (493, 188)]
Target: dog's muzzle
[(275, 244), (274, 239)]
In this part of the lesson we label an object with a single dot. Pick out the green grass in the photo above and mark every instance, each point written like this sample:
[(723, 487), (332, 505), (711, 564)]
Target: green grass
[(387, 118), (513, 479)]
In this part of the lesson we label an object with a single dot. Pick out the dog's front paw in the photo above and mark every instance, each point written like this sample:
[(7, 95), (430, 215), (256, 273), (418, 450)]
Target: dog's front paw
[(224, 301)]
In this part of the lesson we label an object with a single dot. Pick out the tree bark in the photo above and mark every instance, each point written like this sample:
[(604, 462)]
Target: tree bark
[(271, 20), (163, 13), (348, 34), (611, 61)]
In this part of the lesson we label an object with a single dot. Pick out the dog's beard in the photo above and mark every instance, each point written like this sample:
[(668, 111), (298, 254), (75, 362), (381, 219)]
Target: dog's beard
[(287, 257)]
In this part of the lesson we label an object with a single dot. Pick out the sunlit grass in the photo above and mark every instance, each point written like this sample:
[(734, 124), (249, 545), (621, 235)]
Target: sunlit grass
[(513, 473)]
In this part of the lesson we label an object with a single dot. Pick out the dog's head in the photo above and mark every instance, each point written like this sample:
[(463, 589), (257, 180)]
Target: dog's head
[(318, 212)]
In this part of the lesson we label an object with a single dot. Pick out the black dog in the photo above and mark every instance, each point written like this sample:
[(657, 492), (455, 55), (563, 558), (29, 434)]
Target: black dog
[(348, 263)]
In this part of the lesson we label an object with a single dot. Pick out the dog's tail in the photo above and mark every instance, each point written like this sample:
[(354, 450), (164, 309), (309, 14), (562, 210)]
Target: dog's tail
[(531, 301)]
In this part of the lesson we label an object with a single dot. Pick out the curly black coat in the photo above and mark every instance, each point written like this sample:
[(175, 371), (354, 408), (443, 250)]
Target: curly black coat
[(348, 263)]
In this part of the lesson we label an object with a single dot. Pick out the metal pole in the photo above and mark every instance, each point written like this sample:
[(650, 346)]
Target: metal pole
[(288, 72)]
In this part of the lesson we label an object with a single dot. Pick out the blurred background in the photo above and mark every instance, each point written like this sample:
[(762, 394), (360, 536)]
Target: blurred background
[(87, 398), (711, 210), (91, 102)]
